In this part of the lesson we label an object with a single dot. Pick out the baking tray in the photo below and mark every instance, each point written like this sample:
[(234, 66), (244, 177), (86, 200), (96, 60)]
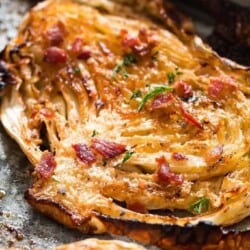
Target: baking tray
[(20, 225)]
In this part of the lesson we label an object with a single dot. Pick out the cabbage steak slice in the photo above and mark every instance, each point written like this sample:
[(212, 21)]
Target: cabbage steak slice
[(126, 116)]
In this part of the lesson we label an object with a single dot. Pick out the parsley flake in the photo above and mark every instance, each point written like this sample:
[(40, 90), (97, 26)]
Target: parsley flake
[(77, 70), (127, 156), (172, 75), (117, 69), (127, 61), (137, 93), (94, 133), (156, 91), (200, 206)]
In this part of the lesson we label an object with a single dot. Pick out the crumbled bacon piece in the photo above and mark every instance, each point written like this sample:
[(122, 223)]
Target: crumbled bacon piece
[(107, 149), (84, 154), (55, 55), (164, 101), (179, 156), (129, 41), (55, 34), (190, 118), (164, 174), (46, 113), (148, 37), (171, 104), (222, 87), (85, 53), (137, 207), (46, 166), (183, 89), (142, 44), (77, 45), (80, 49), (214, 155)]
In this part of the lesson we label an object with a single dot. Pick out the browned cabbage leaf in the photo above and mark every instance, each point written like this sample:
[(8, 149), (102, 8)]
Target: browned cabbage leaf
[(126, 116)]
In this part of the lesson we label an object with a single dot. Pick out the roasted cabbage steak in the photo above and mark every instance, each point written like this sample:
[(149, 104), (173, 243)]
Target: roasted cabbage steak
[(127, 117)]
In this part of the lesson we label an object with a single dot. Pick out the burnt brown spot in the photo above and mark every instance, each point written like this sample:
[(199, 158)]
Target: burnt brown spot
[(6, 76)]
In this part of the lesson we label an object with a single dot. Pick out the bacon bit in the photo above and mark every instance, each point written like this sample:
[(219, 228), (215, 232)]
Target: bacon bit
[(183, 89), (143, 35), (46, 113), (85, 54), (84, 154), (214, 155), (55, 55), (142, 45), (222, 87), (164, 174), (105, 49), (129, 41), (169, 103), (164, 101), (107, 149), (149, 38), (179, 156), (189, 117), (80, 49), (55, 34), (137, 207), (46, 166), (77, 45)]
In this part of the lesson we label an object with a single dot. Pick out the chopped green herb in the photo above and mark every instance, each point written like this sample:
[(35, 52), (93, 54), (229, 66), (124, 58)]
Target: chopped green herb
[(127, 60), (156, 91), (77, 70), (94, 133), (137, 93), (171, 77), (127, 156), (125, 74), (200, 206), (117, 69)]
